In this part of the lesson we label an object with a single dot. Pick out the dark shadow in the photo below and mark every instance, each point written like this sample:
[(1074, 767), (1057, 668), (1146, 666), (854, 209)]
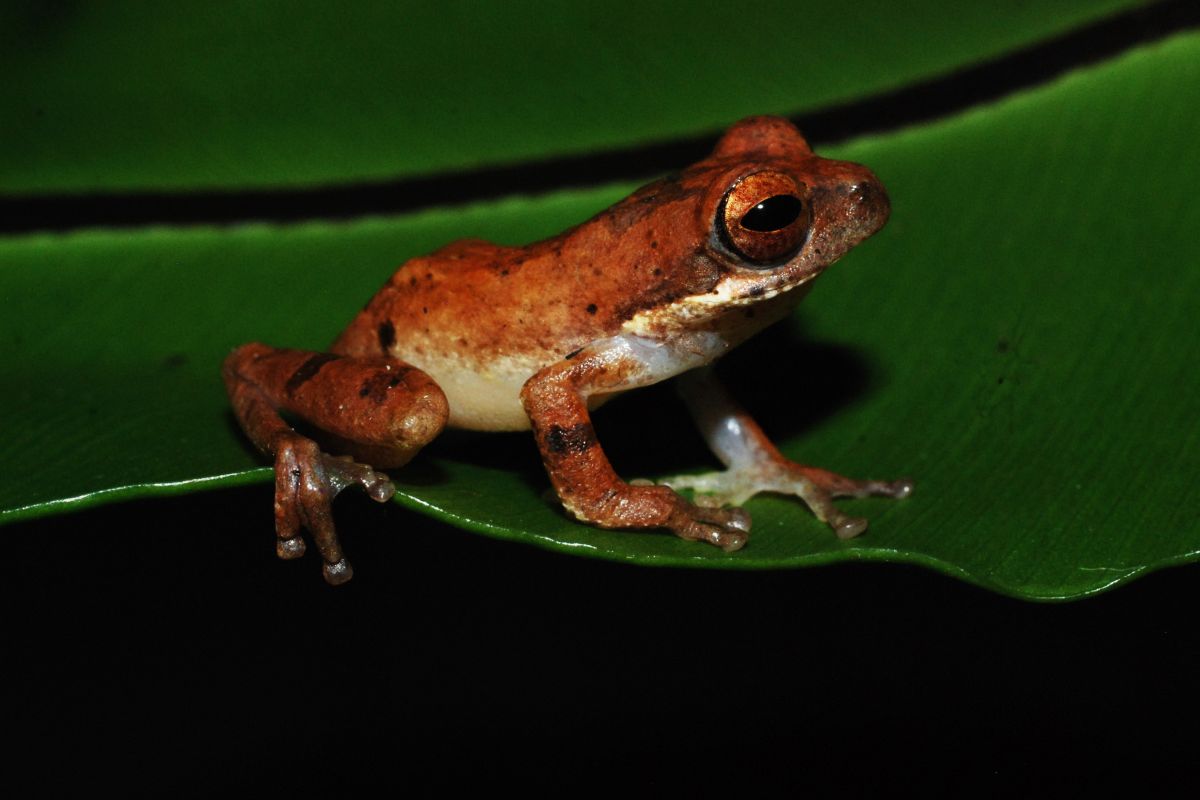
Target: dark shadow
[(787, 383), (163, 640), (508, 452), (791, 384)]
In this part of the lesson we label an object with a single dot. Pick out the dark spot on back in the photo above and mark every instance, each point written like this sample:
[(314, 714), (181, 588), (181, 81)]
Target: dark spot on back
[(308, 370), (591, 309), (1002, 346), (654, 245), (757, 291), (573, 353), (387, 336)]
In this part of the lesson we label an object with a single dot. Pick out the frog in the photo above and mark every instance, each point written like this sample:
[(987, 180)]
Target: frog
[(487, 337)]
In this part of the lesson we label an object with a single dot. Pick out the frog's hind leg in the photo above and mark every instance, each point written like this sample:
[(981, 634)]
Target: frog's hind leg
[(754, 464), (378, 410)]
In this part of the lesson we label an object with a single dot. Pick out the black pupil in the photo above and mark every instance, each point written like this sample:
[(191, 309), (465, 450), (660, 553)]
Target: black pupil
[(773, 214)]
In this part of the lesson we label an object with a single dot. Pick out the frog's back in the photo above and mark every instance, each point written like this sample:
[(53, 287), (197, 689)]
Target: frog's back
[(482, 318), (479, 301)]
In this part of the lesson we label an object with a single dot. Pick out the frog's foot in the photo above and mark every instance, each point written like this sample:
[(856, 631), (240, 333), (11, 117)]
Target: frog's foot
[(727, 528), (816, 487), (306, 482), (641, 505)]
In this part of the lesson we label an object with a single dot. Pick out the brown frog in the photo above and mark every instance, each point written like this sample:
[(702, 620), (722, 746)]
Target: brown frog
[(493, 338)]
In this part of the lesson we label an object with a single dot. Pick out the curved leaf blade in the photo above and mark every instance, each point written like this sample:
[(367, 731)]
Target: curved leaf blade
[(1020, 339)]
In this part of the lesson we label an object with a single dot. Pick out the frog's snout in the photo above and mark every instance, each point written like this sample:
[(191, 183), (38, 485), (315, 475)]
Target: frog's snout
[(868, 203)]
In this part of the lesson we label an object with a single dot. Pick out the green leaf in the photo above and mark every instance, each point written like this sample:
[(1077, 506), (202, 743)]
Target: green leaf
[(1020, 339), (110, 96)]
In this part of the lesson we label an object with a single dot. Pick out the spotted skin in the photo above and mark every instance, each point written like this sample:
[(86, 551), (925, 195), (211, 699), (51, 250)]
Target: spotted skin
[(489, 337)]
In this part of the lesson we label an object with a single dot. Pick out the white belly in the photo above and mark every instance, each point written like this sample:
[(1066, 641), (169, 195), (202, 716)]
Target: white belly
[(486, 396), (483, 397)]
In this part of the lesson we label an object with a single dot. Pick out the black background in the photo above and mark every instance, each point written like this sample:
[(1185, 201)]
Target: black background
[(162, 644)]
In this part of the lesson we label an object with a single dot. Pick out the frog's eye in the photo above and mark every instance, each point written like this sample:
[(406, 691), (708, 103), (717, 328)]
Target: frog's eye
[(773, 214), (764, 218)]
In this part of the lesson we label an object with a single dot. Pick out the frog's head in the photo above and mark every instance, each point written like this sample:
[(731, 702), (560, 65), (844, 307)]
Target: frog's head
[(777, 214)]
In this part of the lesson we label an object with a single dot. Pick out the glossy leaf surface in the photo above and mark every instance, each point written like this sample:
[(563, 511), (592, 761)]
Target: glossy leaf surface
[(1020, 339)]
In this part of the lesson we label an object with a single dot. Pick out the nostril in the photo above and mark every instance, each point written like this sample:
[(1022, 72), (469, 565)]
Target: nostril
[(864, 192), (869, 199)]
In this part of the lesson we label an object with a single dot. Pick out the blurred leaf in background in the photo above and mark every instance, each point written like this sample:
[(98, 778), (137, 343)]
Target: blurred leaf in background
[(131, 96)]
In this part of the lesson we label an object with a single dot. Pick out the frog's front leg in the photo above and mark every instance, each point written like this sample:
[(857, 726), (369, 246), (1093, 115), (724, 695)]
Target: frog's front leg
[(556, 399), (755, 465), (378, 410)]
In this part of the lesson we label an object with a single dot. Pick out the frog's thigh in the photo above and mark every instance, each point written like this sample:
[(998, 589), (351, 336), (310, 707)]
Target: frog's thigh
[(556, 401), (380, 410)]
